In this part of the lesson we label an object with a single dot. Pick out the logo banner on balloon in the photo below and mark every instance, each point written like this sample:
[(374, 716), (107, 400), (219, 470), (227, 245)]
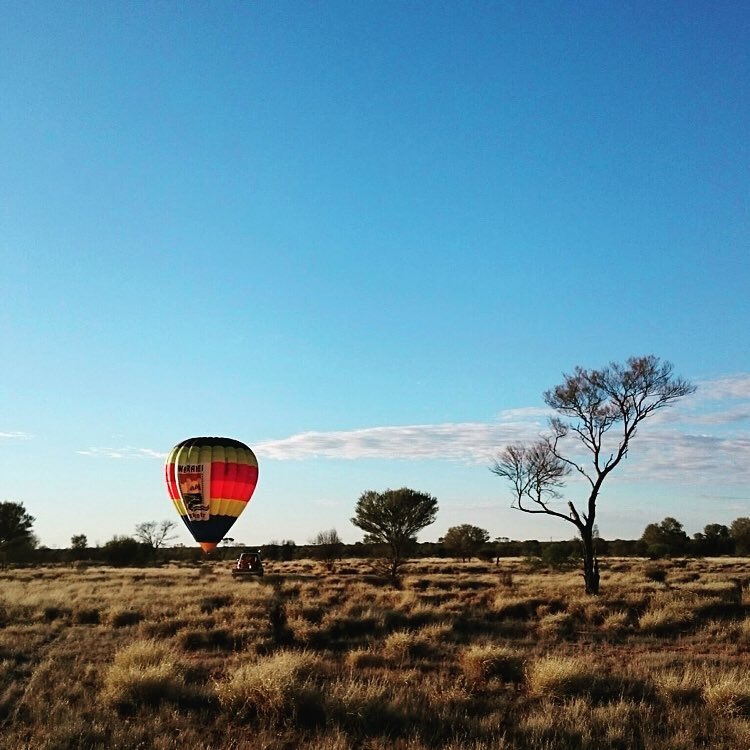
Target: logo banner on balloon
[(194, 481)]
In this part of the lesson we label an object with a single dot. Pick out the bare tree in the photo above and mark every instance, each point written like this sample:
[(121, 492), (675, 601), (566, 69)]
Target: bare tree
[(155, 534), (616, 398), (328, 547)]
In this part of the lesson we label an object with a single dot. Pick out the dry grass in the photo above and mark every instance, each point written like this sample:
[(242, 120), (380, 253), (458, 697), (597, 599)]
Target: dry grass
[(666, 616), (144, 673), (680, 686), (406, 645), (462, 657), (278, 689), (728, 693), (480, 663), (560, 677)]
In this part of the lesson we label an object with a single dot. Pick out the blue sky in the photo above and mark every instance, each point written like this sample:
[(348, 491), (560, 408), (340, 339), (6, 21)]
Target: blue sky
[(364, 238)]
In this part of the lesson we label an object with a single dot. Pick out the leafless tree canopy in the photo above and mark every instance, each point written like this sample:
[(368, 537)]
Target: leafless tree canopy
[(617, 397), (155, 533), (602, 410), (535, 473), (328, 546)]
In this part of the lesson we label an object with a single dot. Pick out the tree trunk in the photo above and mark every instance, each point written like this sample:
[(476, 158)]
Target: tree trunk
[(590, 561)]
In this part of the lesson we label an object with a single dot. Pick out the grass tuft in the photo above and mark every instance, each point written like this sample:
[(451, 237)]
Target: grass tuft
[(482, 663), (558, 625), (560, 677), (279, 689), (363, 658), (402, 645), (144, 673), (728, 694), (198, 639), (682, 686), (666, 617)]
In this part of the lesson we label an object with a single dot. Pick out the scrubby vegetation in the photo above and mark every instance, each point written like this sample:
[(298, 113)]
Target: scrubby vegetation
[(461, 656)]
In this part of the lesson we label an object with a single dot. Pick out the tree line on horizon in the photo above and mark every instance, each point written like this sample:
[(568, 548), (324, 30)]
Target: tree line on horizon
[(599, 411), (150, 544)]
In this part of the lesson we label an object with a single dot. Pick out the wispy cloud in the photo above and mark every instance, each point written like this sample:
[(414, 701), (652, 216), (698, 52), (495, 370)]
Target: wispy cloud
[(739, 413), (128, 452), (465, 441), (690, 458), (702, 439), (15, 436), (723, 401), (730, 386)]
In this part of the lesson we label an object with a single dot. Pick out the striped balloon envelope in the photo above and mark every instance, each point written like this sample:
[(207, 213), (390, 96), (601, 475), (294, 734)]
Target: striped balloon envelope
[(210, 481)]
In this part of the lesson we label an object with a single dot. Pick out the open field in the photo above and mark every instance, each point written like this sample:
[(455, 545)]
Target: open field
[(464, 655)]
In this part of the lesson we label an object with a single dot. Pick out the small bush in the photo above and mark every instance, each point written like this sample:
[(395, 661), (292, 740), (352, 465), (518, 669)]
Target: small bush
[(560, 554), (658, 551)]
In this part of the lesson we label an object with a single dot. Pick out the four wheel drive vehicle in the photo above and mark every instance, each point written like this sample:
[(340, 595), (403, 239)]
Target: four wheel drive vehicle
[(248, 564)]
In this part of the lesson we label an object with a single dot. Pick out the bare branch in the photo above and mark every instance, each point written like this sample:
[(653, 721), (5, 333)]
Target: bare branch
[(591, 402), (536, 473)]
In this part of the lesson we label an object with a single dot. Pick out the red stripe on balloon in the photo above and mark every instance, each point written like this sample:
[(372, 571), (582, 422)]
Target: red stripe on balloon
[(232, 481)]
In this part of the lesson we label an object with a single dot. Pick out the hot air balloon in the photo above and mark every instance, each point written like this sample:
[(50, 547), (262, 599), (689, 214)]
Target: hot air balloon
[(210, 481)]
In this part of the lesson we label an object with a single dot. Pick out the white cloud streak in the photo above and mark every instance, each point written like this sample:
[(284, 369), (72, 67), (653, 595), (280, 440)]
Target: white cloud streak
[(127, 453), (699, 440), (473, 442), (702, 439), (15, 436), (730, 386), (689, 458)]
